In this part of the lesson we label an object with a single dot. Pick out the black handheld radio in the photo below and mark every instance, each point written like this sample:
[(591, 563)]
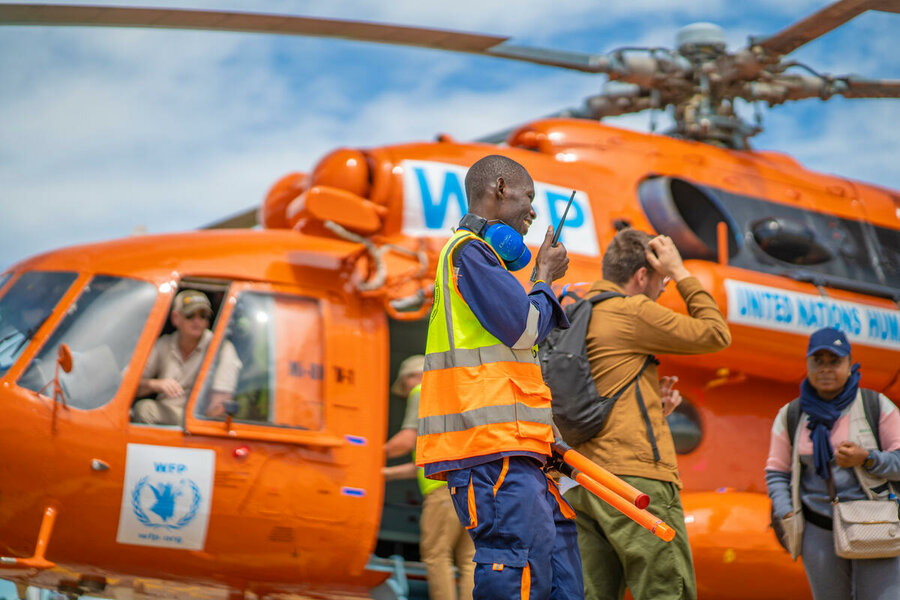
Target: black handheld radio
[(555, 240)]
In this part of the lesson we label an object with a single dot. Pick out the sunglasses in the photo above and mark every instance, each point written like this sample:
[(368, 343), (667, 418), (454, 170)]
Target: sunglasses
[(200, 313)]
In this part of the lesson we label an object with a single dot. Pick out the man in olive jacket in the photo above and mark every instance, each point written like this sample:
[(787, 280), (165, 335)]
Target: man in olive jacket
[(635, 442)]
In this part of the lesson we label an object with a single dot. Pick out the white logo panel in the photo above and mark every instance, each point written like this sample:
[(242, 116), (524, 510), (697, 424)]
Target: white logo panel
[(780, 310), (434, 200), (167, 497)]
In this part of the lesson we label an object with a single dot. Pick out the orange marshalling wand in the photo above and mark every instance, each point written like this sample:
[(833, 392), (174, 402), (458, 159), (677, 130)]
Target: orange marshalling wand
[(609, 488)]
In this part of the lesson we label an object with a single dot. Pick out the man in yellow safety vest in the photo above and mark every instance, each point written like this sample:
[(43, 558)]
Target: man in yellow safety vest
[(484, 411)]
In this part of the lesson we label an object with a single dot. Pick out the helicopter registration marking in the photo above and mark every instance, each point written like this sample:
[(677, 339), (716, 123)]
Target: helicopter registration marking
[(781, 310), (167, 497), (434, 200)]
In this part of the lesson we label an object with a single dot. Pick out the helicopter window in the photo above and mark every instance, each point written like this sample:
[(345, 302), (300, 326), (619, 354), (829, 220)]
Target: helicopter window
[(684, 422), (789, 241), (889, 251), (775, 238), (101, 328), (25, 307), (813, 246), (4, 278), (285, 392), (688, 214)]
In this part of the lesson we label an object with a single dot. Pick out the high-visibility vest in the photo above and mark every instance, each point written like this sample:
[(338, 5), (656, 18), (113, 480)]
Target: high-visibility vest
[(479, 396)]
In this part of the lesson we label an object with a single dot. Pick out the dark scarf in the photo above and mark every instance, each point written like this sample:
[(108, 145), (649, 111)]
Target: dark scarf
[(822, 415)]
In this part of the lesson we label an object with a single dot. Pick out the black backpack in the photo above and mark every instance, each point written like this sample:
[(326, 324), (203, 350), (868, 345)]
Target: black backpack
[(578, 410)]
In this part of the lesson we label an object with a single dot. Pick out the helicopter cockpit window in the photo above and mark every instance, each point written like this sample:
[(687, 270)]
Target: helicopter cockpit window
[(101, 329), (772, 237), (279, 341), (25, 307)]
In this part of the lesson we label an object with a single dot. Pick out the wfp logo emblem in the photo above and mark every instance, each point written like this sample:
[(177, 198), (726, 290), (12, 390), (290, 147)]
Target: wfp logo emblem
[(155, 504)]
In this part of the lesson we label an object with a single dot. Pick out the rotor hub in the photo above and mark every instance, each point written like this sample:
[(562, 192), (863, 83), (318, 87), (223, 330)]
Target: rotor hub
[(699, 41)]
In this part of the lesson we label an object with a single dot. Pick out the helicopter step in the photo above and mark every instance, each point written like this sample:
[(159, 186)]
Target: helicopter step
[(37, 560)]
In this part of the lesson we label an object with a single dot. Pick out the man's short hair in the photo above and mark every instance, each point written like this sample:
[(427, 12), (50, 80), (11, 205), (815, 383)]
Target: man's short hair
[(626, 254), (486, 171)]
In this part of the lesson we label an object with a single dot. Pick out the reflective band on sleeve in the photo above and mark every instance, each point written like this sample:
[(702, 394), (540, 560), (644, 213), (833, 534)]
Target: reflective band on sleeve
[(529, 336), (445, 284), (445, 298), (486, 415), (476, 357)]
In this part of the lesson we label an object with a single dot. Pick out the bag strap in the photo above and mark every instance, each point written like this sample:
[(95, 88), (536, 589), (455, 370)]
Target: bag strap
[(793, 418), (594, 300), (651, 437), (872, 407), (829, 483), (604, 296)]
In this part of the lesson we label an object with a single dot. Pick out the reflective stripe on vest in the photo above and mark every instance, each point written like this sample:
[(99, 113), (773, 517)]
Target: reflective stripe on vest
[(479, 396), (426, 486)]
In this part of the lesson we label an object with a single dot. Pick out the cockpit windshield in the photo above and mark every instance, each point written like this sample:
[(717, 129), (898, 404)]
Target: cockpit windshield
[(25, 307), (101, 328)]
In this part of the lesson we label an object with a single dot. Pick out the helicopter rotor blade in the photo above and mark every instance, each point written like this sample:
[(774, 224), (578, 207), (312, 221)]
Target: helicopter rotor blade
[(244, 219), (819, 23), (166, 18), (871, 88)]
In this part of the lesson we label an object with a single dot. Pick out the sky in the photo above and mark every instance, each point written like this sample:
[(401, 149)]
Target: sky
[(105, 132)]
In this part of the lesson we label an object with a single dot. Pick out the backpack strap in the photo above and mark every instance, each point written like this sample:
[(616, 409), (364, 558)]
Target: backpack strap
[(594, 300), (872, 406), (604, 296), (651, 437), (793, 418)]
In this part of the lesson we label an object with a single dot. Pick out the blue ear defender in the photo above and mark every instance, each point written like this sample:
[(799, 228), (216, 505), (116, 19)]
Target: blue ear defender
[(509, 244), (506, 241)]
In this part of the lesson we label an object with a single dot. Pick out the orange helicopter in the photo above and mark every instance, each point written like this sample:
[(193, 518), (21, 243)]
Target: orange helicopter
[(284, 495)]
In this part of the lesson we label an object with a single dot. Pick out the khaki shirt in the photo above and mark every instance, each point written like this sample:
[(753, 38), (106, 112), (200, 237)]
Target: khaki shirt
[(411, 416), (622, 332), (166, 362)]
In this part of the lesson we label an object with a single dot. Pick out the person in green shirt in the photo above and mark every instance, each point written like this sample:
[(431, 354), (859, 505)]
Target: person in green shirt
[(443, 542)]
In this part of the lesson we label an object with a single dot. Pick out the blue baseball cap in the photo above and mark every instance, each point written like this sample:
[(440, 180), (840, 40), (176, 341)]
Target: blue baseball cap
[(830, 339)]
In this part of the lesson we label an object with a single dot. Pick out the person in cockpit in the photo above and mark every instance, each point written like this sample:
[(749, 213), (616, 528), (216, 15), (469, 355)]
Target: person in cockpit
[(175, 361)]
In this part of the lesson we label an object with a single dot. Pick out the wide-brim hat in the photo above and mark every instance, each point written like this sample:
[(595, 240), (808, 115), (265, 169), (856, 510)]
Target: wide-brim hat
[(412, 364)]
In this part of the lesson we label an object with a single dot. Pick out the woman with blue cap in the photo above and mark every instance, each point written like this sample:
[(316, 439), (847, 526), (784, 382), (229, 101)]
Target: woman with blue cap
[(847, 442)]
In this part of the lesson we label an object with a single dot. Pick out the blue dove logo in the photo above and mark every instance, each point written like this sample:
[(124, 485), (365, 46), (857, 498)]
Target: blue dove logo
[(165, 500), (162, 503)]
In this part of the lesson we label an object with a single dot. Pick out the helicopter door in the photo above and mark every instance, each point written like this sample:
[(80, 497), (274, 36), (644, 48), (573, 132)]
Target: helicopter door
[(265, 375), (296, 431)]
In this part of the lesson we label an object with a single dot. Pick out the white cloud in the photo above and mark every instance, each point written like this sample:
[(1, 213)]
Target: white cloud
[(107, 129)]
